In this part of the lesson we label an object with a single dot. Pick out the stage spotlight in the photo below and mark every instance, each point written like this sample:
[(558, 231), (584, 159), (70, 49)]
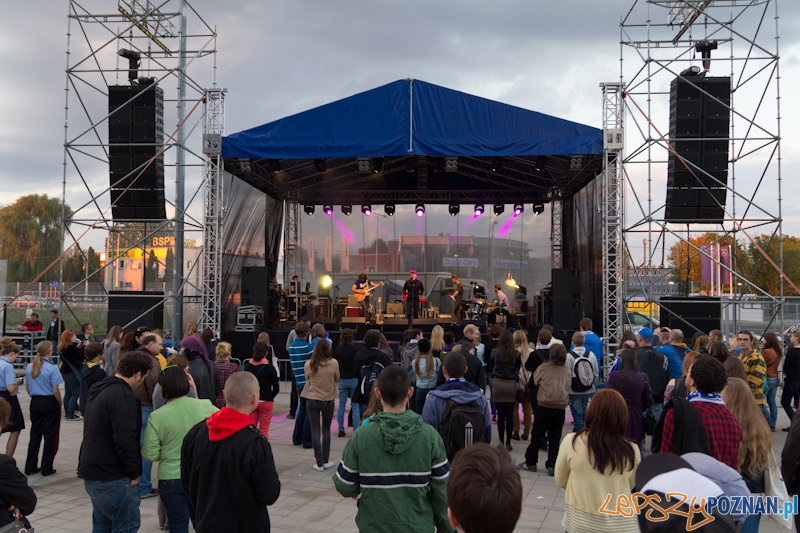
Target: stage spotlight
[(326, 282), (274, 165), (478, 210), (451, 164), (497, 164), (691, 71), (377, 165), (363, 165), (420, 209), (576, 163), (411, 164), (389, 209), (133, 63), (518, 209), (366, 209), (541, 163), (538, 209), (437, 164), (328, 210), (321, 165), (454, 209), (498, 209), (309, 209), (347, 210)]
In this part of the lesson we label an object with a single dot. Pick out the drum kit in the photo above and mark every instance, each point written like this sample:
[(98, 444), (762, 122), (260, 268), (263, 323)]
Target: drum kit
[(476, 309)]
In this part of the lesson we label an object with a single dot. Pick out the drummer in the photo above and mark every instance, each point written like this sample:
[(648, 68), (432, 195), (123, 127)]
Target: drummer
[(502, 304), (458, 297)]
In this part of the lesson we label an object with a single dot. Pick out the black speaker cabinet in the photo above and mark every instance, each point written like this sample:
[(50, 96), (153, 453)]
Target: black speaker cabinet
[(567, 299), (690, 314), (255, 286), (125, 308)]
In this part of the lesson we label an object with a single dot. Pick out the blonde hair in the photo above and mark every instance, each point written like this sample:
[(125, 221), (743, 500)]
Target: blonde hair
[(318, 330), (43, 350), (756, 443), (223, 350), (5, 341), (191, 329), (437, 339), (688, 361), (429, 364), (114, 335), (263, 337), (733, 343), (521, 342)]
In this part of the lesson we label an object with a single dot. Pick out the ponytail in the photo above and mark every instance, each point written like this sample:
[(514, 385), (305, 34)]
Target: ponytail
[(38, 360)]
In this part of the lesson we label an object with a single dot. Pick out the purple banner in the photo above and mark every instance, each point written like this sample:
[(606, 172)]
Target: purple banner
[(713, 260)]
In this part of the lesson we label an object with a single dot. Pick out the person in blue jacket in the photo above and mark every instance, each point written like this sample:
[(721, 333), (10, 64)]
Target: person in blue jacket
[(675, 351), (593, 342)]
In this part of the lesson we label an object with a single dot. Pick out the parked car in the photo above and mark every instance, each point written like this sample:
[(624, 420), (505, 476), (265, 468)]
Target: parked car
[(788, 333), (636, 321)]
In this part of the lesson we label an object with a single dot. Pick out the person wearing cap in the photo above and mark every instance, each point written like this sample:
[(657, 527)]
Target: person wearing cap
[(655, 365), (412, 290)]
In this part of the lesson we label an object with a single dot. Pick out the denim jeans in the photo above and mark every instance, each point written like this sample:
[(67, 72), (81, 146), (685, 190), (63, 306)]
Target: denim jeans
[(145, 485), (490, 377), (72, 391), (751, 524), (656, 409), (175, 503), (419, 399), (302, 425), (346, 389), (790, 390), (772, 390), (577, 406), (320, 429), (115, 506)]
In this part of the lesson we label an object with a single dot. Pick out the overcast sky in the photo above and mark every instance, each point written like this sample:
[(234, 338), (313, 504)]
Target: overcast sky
[(277, 58)]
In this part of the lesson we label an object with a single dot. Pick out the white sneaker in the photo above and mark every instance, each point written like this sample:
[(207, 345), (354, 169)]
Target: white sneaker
[(328, 465), (317, 467)]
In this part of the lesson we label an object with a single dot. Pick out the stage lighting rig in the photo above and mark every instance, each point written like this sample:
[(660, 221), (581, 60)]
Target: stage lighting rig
[(538, 209), (518, 209), (451, 164), (411, 164), (541, 163), (309, 209), (328, 210), (454, 209), (389, 209), (133, 63), (497, 164), (420, 209), (478, 210), (363, 165), (321, 165), (498, 209), (377, 165), (274, 166), (366, 209), (347, 210)]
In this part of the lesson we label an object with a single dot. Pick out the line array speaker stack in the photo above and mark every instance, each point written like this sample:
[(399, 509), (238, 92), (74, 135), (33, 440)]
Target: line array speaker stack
[(135, 134), (567, 305), (698, 131)]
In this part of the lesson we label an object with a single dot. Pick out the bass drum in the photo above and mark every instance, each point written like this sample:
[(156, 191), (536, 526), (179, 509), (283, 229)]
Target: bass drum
[(477, 311)]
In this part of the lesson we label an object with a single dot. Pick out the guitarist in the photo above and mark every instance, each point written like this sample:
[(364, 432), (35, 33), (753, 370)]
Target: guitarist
[(360, 288), (412, 290)]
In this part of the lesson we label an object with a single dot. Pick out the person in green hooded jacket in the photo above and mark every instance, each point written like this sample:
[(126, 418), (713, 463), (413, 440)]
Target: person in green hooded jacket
[(396, 465)]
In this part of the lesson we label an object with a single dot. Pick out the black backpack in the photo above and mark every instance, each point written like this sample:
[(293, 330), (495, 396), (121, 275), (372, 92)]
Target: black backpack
[(582, 372), (462, 425), (367, 377)]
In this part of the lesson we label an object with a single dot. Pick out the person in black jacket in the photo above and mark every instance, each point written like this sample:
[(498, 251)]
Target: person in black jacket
[(791, 372), (345, 354), (227, 469), (16, 497), (367, 356), (475, 372), (71, 351), (656, 366), (269, 386), (412, 290), (790, 462), (110, 461), (91, 371)]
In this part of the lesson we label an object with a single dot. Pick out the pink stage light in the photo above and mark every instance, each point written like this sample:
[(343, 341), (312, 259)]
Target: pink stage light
[(329, 210)]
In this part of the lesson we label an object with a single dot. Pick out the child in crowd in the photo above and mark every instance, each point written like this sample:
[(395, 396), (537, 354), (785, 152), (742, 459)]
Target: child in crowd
[(91, 371)]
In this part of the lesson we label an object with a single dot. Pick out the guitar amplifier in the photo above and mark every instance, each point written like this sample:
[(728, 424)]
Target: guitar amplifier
[(352, 312), (395, 308), (351, 300)]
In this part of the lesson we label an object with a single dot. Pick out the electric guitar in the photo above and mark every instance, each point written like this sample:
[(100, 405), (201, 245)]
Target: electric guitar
[(361, 294), (379, 315)]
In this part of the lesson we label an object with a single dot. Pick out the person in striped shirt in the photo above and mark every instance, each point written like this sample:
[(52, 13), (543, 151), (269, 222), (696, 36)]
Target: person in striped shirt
[(396, 465), (754, 365)]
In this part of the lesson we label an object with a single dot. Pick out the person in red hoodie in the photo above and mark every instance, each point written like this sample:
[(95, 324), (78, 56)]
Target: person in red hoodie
[(227, 469)]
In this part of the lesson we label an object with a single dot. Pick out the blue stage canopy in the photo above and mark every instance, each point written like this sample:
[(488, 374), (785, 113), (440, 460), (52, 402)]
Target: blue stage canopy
[(412, 117)]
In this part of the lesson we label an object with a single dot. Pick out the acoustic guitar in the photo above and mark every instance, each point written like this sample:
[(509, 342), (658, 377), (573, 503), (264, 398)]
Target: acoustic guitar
[(361, 294)]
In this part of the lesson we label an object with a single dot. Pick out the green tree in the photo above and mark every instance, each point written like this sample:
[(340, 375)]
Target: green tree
[(761, 273), (30, 236)]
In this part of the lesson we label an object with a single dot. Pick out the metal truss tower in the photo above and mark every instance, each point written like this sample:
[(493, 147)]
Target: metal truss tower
[(171, 38), (556, 229), (292, 262), (613, 219), (659, 41), (211, 316)]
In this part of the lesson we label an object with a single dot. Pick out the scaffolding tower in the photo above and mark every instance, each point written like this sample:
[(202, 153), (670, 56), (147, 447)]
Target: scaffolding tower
[(659, 41), (170, 38)]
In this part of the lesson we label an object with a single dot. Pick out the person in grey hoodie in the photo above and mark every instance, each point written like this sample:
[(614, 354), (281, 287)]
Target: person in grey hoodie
[(579, 401), (459, 390)]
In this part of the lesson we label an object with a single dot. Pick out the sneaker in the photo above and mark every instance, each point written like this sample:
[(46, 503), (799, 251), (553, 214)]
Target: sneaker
[(328, 465), (317, 467), (341, 433), (515, 436), (74, 417), (290, 416), (494, 418), (50, 473), (551, 472), (33, 471), (508, 447), (543, 446), (524, 437), (787, 429), (526, 466), (150, 494)]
